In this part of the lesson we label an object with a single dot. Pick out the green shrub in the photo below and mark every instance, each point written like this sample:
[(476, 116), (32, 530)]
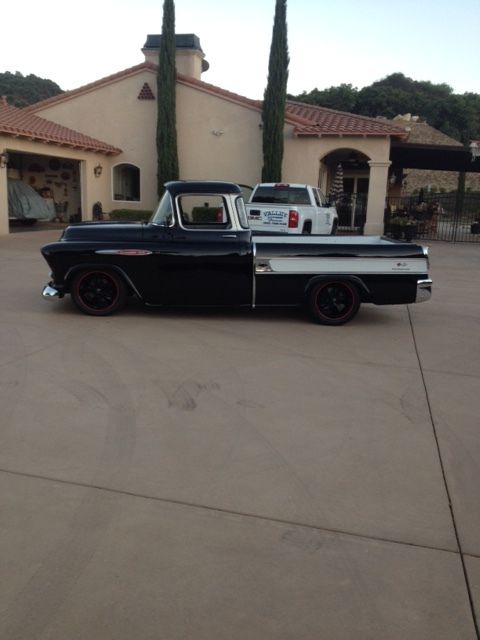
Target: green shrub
[(130, 215)]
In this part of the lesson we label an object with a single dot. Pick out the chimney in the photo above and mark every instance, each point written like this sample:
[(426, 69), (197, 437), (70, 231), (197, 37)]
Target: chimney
[(189, 57)]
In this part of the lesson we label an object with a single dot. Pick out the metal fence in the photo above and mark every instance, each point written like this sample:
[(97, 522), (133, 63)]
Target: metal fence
[(451, 217)]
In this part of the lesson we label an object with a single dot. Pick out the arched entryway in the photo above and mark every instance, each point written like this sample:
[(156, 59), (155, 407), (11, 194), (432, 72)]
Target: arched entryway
[(353, 168)]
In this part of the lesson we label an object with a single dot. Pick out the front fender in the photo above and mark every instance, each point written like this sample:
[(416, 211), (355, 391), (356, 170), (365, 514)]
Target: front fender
[(72, 271)]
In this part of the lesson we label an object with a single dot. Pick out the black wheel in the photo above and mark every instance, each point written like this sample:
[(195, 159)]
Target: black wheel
[(334, 302), (98, 293)]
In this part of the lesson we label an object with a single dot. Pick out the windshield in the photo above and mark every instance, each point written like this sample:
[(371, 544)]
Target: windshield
[(281, 194), (163, 214)]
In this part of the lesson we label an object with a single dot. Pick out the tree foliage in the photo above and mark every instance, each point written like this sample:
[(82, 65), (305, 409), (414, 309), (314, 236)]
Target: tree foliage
[(457, 115), (21, 90), (167, 153), (273, 113)]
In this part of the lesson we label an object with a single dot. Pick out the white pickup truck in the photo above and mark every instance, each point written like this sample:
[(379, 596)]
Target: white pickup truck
[(291, 208)]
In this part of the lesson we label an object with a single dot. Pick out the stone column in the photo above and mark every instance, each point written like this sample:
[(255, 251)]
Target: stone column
[(377, 192)]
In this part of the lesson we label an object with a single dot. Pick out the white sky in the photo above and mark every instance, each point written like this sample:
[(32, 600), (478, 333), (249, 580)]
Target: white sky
[(330, 42)]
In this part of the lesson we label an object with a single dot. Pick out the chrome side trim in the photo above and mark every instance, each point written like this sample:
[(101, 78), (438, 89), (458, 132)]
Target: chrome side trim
[(424, 290), (49, 292), (123, 252), (263, 266)]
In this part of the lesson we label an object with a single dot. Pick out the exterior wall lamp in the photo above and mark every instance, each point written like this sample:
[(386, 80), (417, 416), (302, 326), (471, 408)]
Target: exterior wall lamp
[(98, 170), (3, 160)]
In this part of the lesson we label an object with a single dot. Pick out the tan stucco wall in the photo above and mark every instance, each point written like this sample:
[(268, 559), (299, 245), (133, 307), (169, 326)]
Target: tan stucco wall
[(113, 114), (303, 154), (217, 139), (302, 163)]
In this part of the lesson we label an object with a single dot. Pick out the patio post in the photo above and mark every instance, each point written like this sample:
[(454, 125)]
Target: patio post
[(377, 191)]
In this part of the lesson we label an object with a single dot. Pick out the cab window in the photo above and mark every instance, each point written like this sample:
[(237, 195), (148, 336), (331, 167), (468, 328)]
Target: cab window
[(203, 211), (242, 213)]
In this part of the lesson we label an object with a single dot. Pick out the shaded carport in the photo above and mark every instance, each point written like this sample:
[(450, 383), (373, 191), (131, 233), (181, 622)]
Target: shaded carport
[(461, 209), (433, 156)]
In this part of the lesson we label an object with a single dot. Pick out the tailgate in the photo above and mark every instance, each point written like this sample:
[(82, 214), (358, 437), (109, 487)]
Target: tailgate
[(271, 218)]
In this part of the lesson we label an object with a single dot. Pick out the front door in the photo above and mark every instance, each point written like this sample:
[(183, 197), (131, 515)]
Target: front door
[(201, 259), (356, 191)]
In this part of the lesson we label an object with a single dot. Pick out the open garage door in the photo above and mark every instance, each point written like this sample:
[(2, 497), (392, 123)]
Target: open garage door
[(43, 188)]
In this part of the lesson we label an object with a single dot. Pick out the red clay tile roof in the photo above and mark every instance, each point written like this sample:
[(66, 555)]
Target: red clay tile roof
[(322, 121), (308, 120), (19, 123)]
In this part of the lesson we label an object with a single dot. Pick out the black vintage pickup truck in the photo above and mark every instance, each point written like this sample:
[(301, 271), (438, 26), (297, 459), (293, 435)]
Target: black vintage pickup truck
[(198, 249)]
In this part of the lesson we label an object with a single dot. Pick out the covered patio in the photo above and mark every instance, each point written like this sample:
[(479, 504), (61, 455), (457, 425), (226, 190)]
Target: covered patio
[(451, 216)]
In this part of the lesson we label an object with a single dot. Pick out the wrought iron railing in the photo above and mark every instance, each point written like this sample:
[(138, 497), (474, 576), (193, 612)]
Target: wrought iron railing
[(446, 216)]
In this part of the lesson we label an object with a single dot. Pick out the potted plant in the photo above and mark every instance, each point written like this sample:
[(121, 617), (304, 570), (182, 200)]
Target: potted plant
[(410, 229), (396, 226)]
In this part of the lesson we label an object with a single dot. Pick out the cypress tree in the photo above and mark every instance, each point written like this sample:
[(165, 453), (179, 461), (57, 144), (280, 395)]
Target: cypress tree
[(167, 155), (275, 97)]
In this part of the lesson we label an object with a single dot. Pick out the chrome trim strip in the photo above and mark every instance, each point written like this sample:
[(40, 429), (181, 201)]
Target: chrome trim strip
[(263, 266), (123, 252), (323, 265), (424, 290)]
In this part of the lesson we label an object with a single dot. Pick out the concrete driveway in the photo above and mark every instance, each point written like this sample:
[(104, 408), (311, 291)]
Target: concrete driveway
[(237, 475)]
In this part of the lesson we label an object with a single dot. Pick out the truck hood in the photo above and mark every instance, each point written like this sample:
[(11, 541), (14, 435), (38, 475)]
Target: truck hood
[(103, 232)]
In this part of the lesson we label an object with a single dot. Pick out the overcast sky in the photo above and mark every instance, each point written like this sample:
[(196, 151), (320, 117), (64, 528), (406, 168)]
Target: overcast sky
[(352, 41)]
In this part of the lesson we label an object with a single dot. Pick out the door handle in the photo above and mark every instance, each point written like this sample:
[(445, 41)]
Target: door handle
[(229, 235)]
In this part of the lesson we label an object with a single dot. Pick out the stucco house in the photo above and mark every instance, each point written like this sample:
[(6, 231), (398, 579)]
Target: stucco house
[(96, 144)]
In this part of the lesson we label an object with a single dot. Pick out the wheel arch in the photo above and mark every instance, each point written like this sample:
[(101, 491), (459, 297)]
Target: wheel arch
[(72, 272), (363, 289), (307, 226)]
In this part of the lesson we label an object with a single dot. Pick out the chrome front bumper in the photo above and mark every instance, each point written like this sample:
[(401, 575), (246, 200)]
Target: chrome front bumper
[(424, 290), (49, 292)]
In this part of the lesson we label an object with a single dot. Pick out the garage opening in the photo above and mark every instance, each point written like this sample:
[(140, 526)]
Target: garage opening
[(42, 188)]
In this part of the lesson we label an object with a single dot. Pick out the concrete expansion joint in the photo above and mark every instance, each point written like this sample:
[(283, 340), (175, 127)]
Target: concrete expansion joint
[(231, 512)]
